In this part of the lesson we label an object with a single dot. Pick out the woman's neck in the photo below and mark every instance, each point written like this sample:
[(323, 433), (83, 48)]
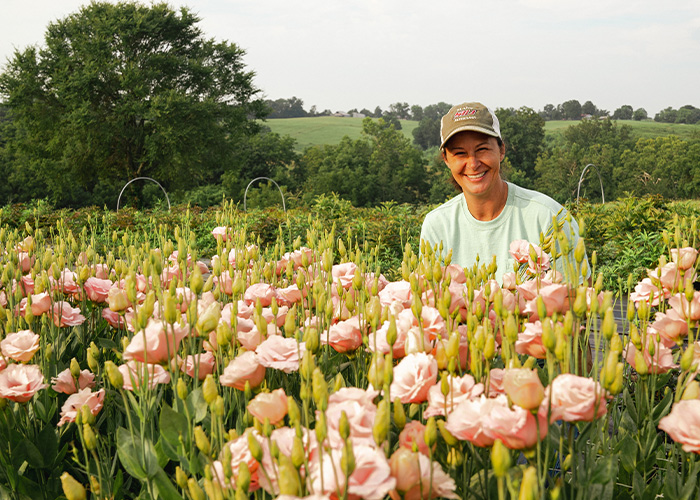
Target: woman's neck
[(488, 208)]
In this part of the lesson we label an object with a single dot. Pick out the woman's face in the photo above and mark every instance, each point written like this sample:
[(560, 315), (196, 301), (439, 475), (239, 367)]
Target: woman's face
[(475, 162)]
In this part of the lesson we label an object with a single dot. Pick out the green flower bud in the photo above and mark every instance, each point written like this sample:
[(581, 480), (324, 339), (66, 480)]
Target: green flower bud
[(180, 477), (201, 440), (687, 358), (72, 489), (399, 414), (89, 437), (209, 320), (196, 491), (209, 389), (529, 487), (430, 434), (244, 477), (114, 375), (255, 448), (447, 436), (381, 428), (500, 458)]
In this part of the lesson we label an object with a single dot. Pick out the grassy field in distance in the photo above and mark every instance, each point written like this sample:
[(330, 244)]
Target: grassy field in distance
[(311, 131), (318, 130)]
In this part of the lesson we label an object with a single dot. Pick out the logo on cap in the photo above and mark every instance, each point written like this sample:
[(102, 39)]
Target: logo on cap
[(464, 113)]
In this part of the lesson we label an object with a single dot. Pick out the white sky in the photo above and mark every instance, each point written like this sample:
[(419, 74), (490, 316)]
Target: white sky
[(343, 54)]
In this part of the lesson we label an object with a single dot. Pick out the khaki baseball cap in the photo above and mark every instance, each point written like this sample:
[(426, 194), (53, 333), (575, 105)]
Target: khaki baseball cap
[(469, 116)]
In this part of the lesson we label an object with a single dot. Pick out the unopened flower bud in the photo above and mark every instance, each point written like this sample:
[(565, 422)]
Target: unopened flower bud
[(196, 491), (72, 489), (381, 428), (201, 440), (529, 485), (430, 434), (687, 358), (209, 389), (640, 363), (500, 458), (692, 391), (114, 375), (180, 477), (244, 477), (399, 414), (74, 368)]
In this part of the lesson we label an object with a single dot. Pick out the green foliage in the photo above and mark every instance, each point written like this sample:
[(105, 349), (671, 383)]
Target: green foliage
[(523, 132), (380, 166), (125, 90)]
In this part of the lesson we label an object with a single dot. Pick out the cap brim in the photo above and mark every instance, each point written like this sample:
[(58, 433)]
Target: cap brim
[(472, 128)]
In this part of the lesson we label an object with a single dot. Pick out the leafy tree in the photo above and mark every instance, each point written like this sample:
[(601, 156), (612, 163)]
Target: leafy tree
[(523, 132), (600, 142), (667, 115), (667, 166), (378, 113), (392, 119), (380, 166), (640, 114), (588, 108), (286, 108), (400, 110), (126, 90), (688, 114), (624, 112), (416, 112), (427, 133), (571, 110)]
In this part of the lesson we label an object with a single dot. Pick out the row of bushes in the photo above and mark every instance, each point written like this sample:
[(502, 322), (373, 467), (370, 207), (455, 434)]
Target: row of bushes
[(626, 235)]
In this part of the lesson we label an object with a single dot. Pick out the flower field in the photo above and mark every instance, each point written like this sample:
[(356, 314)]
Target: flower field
[(140, 367)]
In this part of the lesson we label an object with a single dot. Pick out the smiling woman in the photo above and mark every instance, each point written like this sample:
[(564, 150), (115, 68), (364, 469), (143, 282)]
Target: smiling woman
[(491, 212)]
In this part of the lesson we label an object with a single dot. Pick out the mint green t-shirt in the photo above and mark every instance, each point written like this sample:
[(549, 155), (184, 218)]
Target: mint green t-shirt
[(527, 214)]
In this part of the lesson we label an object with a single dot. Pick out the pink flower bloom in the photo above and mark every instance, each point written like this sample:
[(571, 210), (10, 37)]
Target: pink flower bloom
[(114, 319), (117, 299), (65, 382), (64, 315), (660, 362), (19, 383), (135, 374), (222, 231), (248, 335), (344, 336), (530, 341), (555, 297), (203, 361), (396, 291), (25, 261), (460, 389), (573, 399), (270, 405), (509, 281), (41, 303), (456, 272), (259, 291), (243, 368), (683, 424), (361, 413), (414, 433), (413, 377), (224, 282), (344, 273), (482, 421), (97, 289), (413, 472), (684, 258), (280, 353), (158, 343), (671, 326), (371, 479), (496, 376), (20, 346), (66, 283), (520, 250), (523, 387), (645, 290), (70, 409), (686, 310), (240, 453), (540, 264), (289, 295)]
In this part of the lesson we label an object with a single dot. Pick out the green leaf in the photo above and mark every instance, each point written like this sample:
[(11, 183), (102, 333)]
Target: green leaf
[(196, 405), (163, 457), (627, 448), (27, 451), (49, 445), (137, 456), (165, 488), (662, 408), (689, 486), (630, 406), (605, 470), (172, 425), (117, 486)]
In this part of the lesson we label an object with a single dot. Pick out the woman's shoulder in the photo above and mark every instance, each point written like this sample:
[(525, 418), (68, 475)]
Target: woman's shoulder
[(531, 200), (449, 206)]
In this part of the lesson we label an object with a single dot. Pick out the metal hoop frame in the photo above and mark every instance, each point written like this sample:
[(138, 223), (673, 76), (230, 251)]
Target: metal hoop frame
[(142, 179), (245, 195), (580, 180)]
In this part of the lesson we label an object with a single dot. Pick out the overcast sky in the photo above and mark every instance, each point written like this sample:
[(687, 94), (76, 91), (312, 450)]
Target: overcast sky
[(343, 54)]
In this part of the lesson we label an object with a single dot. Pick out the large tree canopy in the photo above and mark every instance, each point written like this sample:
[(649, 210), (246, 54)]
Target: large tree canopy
[(126, 90)]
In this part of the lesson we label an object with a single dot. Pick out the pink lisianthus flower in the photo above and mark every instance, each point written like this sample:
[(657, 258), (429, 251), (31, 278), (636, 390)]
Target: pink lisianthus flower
[(136, 373), (573, 399), (20, 346), (243, 368), (203, 362), (683, 424), (280, 353), (65, 383), (74, 403), (63, 314), (413, 377), (270, 405), (20, 382), (157, 343)]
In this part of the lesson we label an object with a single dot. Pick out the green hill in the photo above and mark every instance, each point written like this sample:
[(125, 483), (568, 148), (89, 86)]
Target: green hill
[(319, 130)]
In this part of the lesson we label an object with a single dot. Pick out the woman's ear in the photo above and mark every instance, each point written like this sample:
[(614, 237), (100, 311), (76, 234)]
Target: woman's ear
[(503, 150)]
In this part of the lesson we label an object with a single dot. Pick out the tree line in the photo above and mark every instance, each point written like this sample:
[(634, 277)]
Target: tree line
[(120, 91)]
